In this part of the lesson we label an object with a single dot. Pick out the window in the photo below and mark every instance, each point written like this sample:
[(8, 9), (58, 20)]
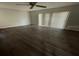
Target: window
[(43, 19), (46, 20), (40, 18), (58, 19)]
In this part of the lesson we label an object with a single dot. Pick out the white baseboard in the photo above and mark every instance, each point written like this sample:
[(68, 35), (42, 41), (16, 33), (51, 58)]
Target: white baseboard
[(2, 27), (75, 28)]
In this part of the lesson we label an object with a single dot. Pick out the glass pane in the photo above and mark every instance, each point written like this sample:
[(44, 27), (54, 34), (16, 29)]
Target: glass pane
[(47, 17), (40, 18), (59, 19)]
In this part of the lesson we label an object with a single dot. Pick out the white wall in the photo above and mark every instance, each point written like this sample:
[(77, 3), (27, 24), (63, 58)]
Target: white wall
[(73, 18), (12, 18)]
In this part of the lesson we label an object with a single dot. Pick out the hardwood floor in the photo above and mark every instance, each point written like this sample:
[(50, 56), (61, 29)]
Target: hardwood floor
[(38, 41)]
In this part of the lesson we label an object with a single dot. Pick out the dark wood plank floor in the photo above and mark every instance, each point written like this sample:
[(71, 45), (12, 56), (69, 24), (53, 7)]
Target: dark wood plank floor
[(38, 41)]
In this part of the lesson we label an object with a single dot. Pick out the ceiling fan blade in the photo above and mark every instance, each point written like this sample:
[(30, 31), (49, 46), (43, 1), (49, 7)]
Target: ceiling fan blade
[(32, 4), (41, 6)]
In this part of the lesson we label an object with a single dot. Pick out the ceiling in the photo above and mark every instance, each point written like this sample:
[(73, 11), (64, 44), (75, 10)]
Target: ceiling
[(15, 6)]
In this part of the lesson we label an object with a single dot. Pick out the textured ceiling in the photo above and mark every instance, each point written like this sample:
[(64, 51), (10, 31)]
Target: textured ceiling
[(12, 5)]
